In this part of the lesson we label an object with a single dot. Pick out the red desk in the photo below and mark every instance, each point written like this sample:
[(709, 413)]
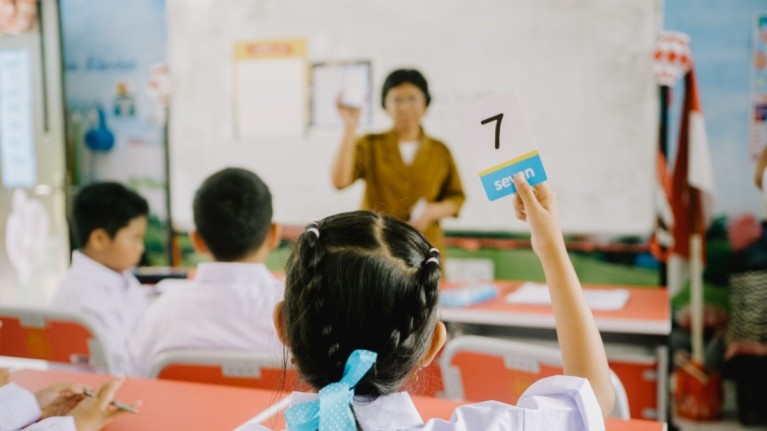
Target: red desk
[(644, 321), (171, 405), (166, 405), (646, 312)]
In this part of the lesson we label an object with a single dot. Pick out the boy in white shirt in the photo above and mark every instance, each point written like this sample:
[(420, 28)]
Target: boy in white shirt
[(229, 304), (109, 222)]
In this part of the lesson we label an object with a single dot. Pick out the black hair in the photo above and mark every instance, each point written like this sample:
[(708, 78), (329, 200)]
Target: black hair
[(233, 213), (109, 206), (365, 282), (405, 76)]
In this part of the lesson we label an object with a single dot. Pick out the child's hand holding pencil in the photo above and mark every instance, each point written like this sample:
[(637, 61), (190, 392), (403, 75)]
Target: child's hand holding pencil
[(99, 409)]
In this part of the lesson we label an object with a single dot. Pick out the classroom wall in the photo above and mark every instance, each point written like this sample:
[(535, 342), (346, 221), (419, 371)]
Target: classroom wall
[(721, 36), (582, 70)]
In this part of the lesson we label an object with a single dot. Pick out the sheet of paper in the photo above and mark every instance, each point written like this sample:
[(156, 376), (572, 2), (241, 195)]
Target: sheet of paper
[(349, 81), (270, 80), (597, 299)]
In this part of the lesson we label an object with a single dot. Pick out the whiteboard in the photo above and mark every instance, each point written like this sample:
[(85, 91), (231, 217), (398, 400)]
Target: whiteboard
[(582, 71)]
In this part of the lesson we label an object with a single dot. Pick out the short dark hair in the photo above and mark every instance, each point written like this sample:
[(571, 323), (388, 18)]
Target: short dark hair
[(405, 76), (360, 280), (233, 213), (109, 206)]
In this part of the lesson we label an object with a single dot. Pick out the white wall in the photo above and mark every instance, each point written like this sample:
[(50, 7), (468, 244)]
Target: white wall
[(582, 70)]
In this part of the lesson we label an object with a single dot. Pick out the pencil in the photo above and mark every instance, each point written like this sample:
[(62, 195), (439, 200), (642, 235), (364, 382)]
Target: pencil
[(116, 404)]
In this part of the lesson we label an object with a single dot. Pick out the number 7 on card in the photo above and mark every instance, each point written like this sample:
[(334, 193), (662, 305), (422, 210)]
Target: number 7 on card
[(502, 144)]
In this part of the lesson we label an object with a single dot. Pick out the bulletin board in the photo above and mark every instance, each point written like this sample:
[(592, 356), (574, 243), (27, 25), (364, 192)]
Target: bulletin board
[(582, 72)]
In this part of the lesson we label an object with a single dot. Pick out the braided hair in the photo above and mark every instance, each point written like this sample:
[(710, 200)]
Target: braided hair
[(360, 280)]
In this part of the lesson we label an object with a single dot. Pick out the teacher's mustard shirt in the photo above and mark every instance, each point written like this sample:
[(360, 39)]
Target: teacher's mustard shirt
[(393, 187)]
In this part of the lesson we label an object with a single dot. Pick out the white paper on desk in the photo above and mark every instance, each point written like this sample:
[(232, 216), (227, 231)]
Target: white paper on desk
[(597, 299)]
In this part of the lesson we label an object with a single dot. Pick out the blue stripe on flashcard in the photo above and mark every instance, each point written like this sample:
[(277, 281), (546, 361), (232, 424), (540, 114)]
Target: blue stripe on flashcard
[(500, 183)]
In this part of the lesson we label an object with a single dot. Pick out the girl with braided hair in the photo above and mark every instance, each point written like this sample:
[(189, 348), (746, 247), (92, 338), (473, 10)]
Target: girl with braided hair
[(360, 318)]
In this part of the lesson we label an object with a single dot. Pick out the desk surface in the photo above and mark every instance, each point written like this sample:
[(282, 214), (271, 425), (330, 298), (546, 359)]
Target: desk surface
[(171, 405), (166, 405), (646, 312)]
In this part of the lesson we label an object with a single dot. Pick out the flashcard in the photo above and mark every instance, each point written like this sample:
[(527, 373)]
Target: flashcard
[(502, 143)]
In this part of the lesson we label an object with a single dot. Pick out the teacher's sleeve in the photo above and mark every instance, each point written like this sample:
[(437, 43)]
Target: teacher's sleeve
[(361, 158), (452, 189)]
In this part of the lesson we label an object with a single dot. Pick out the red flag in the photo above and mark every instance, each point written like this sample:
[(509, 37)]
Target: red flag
[(692, 182)]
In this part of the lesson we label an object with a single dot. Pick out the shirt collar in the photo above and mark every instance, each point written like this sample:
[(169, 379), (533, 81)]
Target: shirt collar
[(391, 136), (393, 411), (100, 271), (232, 272)]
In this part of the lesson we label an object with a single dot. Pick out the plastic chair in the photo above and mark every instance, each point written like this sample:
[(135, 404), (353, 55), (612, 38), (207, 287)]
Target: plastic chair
[(55, 336), (225, 367), (481, 368)]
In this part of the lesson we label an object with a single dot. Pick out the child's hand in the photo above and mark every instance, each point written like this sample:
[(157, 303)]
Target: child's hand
[(92, 414), (537, 205), (58, 399)]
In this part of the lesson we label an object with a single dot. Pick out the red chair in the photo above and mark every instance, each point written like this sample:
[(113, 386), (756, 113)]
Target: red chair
[(225, 367), (54, 336), (481, 368)]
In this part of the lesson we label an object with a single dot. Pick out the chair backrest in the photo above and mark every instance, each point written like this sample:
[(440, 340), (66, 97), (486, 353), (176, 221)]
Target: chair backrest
[(55, 336), (481, 368), (225, 367)]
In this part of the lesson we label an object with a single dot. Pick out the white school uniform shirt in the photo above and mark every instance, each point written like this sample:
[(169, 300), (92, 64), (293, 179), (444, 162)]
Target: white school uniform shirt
[(228, 307), (114, 300), (18, 408), (555, 403)]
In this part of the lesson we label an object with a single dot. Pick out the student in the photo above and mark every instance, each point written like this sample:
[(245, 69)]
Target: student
[(408, 174), (360, 312), (229, 304), (59, 407), (109, 223)]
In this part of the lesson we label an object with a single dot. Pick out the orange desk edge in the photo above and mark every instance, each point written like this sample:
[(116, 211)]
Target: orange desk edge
[(166, 405), (645, 312)]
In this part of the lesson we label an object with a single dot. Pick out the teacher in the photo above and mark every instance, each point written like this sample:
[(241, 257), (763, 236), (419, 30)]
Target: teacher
[(408, 174)]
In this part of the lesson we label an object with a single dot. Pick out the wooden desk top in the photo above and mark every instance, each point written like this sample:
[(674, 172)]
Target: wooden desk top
[(646, 312)]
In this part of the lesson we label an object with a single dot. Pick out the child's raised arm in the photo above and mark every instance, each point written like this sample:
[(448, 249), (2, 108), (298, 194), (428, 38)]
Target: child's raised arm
[(583, 353)]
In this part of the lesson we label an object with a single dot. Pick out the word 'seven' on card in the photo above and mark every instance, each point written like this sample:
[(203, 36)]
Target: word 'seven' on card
[(503, 145)]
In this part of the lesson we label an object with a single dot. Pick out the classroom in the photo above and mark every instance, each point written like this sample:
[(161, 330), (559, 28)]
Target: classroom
[(383, 215)]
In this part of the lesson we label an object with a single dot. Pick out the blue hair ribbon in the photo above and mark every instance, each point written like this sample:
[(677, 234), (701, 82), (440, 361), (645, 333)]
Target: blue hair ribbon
[(333, 410)]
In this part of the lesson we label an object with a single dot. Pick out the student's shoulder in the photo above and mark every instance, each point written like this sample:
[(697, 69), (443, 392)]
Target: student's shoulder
[(173, 286), (78, 282), (173, 294)]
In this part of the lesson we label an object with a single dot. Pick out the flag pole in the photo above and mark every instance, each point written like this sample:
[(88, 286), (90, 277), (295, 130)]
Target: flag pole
[(696, 296)]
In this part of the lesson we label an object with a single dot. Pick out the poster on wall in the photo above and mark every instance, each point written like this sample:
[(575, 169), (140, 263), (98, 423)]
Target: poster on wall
[(270, 80), (114, 73), (17, 145), (758, 120)]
